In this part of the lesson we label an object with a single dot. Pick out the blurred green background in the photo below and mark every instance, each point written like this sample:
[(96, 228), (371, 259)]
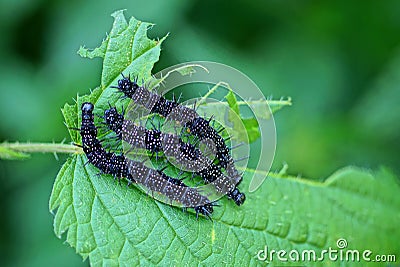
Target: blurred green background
[(339, 61)]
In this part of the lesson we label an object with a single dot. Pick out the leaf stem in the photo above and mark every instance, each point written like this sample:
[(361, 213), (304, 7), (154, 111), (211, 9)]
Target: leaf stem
[(42, 147)]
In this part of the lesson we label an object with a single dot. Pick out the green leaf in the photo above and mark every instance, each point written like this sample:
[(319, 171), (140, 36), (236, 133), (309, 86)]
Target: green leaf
[(128, 50), (250, 125), (262, 109), (232, 102), (113, 224), (11, 154)]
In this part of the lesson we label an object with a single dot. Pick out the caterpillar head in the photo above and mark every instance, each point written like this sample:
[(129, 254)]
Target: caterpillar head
[(127, 86), (87, 110)]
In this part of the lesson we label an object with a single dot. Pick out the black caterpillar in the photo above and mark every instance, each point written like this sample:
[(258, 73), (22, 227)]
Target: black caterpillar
[(137, 172), (185, 153), (188, 117)]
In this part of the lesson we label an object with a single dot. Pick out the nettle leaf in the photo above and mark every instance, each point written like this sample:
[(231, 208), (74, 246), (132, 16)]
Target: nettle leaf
[(250, 124), (113, 224), (7, 153), (128, 50)]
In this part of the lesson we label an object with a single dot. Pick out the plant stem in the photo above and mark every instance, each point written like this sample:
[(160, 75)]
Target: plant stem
[(42, 147)]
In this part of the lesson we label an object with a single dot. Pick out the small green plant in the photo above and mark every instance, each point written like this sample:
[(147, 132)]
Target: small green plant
[(117, 225)]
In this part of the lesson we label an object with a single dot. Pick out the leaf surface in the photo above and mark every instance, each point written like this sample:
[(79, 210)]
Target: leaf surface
[(113, 224)]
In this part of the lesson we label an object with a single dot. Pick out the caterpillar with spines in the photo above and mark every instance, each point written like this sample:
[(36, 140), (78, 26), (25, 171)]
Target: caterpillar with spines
[(186, 116), (136, 172), (185, 154)]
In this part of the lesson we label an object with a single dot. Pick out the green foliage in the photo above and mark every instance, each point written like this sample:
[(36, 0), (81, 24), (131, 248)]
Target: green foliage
[(10, 154), (117, 225), (251, 124), (114, 224)]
